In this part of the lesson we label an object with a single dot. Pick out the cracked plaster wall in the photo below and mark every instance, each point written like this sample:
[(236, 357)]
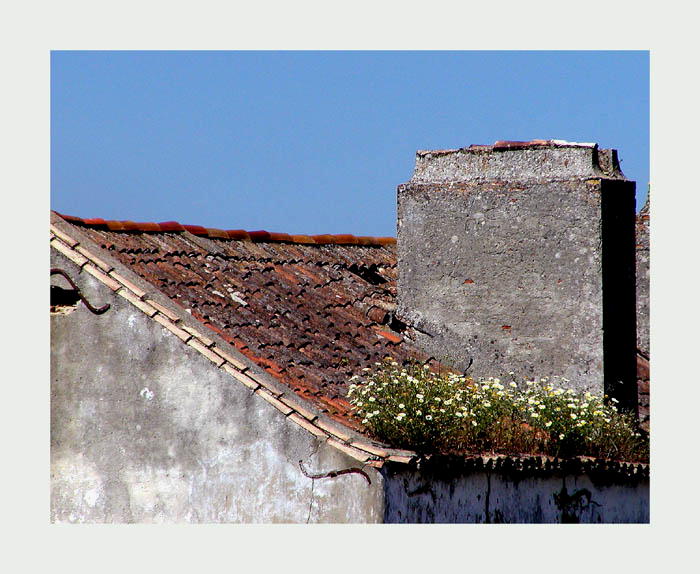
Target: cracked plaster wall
[(145, 429)]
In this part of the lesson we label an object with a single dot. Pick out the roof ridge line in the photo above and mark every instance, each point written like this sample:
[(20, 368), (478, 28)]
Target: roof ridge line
[(260, 236)]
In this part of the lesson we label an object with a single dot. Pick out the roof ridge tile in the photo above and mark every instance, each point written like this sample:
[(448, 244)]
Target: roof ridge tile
[(260, 236)]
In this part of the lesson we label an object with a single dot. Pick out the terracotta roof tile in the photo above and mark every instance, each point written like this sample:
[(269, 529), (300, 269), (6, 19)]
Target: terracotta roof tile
[(372, 449), (238, 234), (170, 326), (335, 430), (402, 459), (297, 406), (64, 237), (70, 253), (302, 422), (128, 284), (170, 226), (242, 377), (142, 305), (280, 406), (229, 358), (349, 450), (206, 341), (164, 310), (103, 277), (208, 353), (106, 267), (393, 337)]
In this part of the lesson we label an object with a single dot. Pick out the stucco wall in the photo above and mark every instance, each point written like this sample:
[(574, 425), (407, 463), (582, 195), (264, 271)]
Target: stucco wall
[(511, 279), (521, 261), (449, 495), (145, 429)]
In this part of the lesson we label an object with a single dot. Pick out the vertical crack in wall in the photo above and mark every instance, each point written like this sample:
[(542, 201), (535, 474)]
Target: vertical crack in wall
[(314, 452), (311, 500)]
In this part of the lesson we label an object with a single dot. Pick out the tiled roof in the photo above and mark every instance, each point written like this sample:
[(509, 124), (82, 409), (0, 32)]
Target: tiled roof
[(309, 310)]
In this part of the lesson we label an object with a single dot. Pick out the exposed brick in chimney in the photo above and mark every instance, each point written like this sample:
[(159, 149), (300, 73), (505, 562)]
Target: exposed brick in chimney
[(536, 236)]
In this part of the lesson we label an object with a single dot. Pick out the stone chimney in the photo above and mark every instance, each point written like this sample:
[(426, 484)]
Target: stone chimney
[(520, 256)]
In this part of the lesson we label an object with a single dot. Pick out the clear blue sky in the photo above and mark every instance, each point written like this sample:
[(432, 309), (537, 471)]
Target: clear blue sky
[(314, 142)]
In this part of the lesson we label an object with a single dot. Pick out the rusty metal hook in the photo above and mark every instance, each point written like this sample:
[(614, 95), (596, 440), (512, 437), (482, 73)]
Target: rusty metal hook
[(96, 311), (334, 473)]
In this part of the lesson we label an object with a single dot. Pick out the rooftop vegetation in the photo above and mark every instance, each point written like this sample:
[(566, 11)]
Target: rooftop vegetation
[(416, 408)]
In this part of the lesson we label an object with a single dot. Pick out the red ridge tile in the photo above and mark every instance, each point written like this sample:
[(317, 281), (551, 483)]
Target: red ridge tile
[(238, 234), (345, 239), (196, 229), (260, 236), (323, 239), (216, 233), (116, 226), (166, 226), (148, 227), (302, 239), (95, 221), (280, 237)]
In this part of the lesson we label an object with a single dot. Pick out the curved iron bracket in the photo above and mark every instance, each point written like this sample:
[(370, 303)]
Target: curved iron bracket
[(96, 311), (334, 473)]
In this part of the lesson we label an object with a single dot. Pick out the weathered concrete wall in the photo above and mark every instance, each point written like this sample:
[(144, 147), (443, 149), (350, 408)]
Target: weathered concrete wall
[(642, 237), (449, 495), (522, 260), (145, 429)]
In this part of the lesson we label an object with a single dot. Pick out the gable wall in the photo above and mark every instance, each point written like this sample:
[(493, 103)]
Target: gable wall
[(145, 429)]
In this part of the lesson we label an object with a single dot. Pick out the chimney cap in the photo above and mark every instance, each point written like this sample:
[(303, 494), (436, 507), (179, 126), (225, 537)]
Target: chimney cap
[(517, 160), (508, 144)]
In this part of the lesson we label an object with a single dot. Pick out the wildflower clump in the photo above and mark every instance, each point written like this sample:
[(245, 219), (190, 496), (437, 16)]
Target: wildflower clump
[(413, 407)]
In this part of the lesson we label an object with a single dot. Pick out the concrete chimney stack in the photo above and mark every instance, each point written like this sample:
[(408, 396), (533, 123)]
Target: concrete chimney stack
[(520, 256)]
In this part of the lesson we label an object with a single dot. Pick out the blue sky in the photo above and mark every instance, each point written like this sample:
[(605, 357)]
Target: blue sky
[(314, 142)]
